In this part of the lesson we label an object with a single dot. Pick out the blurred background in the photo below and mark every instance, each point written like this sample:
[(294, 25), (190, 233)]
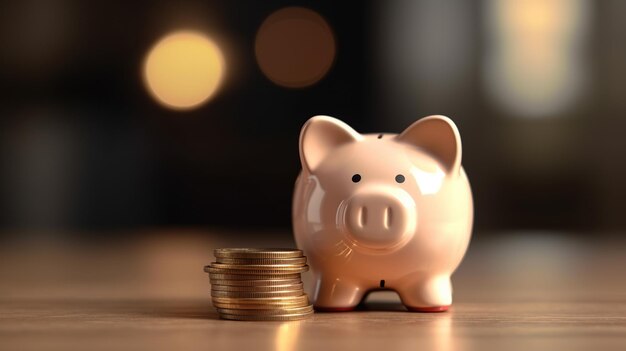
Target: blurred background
[(121, 118), (136, 136)]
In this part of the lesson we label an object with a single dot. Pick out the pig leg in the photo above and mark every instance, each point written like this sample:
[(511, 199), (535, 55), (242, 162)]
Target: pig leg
[(336, 295), (426, 294)]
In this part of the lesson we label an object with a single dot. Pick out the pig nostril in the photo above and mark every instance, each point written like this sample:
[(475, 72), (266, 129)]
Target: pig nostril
[(387, 218), (363, 216)]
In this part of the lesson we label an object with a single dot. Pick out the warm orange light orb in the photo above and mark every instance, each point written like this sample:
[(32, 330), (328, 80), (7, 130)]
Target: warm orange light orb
[(295, 47), (183, 70)]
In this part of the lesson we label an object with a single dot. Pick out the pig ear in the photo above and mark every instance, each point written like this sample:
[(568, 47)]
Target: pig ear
[(319, 136), (438, 136)]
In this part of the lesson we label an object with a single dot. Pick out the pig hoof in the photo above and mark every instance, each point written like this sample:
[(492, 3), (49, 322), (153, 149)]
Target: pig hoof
[(334, 309), (428, 309)]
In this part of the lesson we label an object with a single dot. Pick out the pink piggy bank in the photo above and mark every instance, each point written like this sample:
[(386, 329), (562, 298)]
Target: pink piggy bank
[(390, 211)]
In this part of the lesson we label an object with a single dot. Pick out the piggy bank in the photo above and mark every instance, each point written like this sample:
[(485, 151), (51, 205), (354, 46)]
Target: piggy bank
[(382, 211)]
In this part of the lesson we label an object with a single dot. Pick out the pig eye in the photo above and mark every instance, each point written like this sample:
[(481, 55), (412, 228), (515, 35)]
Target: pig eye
[(356, 178), (400, 178)]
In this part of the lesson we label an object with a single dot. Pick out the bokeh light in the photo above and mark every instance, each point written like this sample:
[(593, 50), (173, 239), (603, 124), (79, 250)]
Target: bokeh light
[(425, 56), (535, 65), (295, 47), (184, 69)]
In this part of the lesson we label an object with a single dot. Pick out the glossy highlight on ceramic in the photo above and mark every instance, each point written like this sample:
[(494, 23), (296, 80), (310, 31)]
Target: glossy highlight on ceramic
[(374, 211)]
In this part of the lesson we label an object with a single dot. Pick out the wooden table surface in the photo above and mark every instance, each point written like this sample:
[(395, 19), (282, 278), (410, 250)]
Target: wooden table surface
[(514, 291)]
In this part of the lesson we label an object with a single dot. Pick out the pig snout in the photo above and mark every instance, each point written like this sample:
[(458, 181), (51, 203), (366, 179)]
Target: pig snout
[(380, 217)]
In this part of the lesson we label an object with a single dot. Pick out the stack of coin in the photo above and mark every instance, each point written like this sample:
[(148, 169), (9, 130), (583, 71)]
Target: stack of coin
[(259, 284)]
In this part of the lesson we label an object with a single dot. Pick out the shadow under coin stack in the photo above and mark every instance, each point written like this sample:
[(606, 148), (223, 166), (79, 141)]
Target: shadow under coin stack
[(259, 284)]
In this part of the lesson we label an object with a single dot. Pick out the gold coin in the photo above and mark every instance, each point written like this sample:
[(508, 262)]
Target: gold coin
[(257, 253), (297, 261), (251, 294), (254, 270), (277, 301), (255, 282), (278, 317), (237, 276), (257, 288), (262, 267), (241, 306), (281, 310)]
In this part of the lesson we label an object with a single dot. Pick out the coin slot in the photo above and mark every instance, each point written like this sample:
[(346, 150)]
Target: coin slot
[(382, 283)]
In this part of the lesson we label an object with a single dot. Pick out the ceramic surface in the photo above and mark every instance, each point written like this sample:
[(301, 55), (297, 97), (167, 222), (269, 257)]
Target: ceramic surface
[(389, 211)]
